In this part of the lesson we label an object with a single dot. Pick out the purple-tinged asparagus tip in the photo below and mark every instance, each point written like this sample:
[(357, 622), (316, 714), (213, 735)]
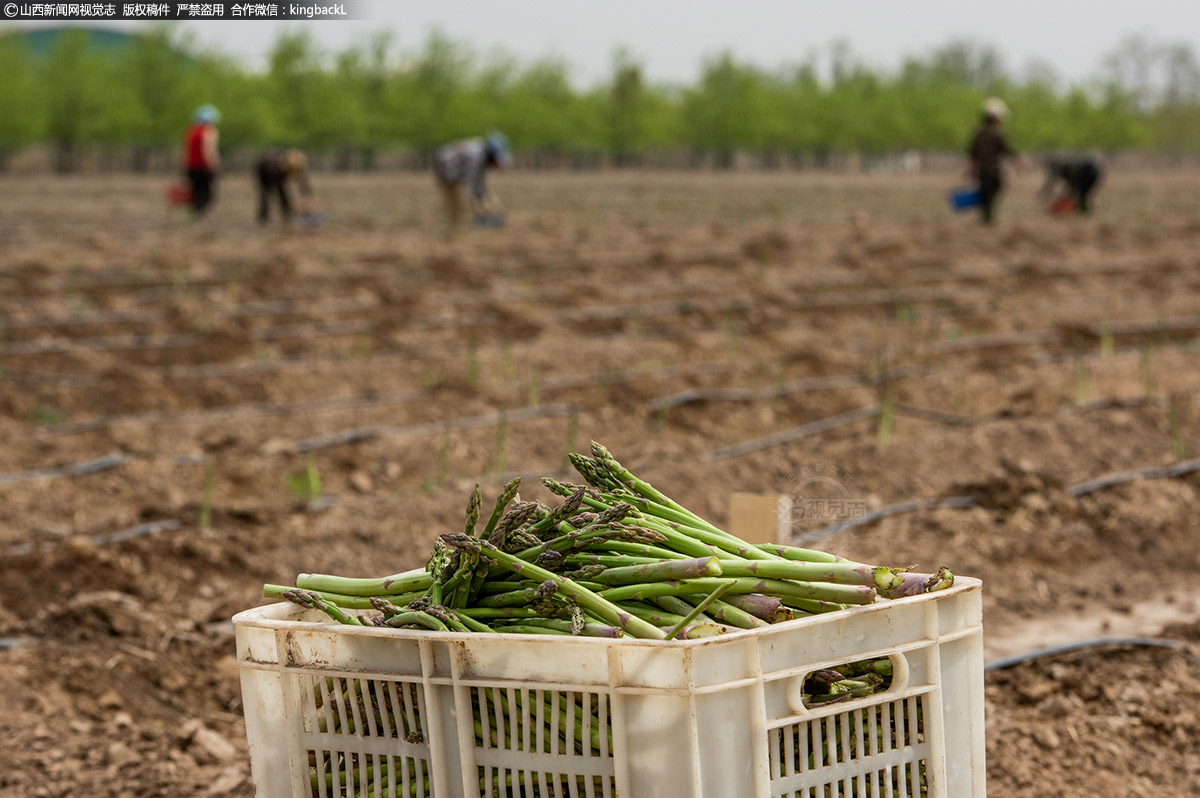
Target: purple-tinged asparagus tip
[(896, 584), (300, 597), (756, 604), (459, 540), (383, 605)]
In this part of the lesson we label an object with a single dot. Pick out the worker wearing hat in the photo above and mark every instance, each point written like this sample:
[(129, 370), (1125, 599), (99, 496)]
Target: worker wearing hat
[(466, 163), (277, 171), (989, 147), (201, 157)]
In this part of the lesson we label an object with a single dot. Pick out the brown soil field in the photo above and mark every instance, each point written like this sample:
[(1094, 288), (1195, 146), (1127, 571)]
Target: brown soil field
[(157, 373)]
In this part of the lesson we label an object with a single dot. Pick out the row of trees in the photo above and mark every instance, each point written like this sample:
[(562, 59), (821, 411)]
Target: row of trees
[(367, 99)]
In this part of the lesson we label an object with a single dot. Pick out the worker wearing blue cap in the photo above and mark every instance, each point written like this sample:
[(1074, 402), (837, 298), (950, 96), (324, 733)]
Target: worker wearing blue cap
[(466, 162), (200, 155)]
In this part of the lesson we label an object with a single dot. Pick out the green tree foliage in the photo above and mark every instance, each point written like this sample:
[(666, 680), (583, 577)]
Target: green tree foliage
[(486, 103), (428, 101), (1117, 124), (944, 93), (312, 105), (548, 115), (632, 116), (371, 97), (720, 114), (361, 77), (86, 100), (248, 117), (157, 69), (21, 124), (626, 115), (795, 126), (967, 63), (1177, 118), (1154, 91)]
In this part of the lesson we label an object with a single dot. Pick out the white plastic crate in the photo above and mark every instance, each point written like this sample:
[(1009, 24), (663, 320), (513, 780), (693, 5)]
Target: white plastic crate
[(415, 713)]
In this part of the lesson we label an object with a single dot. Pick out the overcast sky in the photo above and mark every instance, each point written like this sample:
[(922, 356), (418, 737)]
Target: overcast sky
[(671, 37)]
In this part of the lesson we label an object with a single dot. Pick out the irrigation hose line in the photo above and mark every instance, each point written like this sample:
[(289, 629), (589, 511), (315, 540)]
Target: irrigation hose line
[(1030, 656)]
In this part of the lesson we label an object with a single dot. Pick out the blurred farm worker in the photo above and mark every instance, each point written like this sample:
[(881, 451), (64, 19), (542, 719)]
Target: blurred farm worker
[(278, 171), (466, 163), (988, 149), (201, 157), (1073, 179)]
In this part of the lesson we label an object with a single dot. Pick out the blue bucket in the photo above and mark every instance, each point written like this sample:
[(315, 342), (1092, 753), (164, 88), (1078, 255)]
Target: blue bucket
[(964, 198)]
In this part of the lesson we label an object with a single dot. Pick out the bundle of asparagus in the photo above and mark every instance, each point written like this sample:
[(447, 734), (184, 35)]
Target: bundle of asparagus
[(617, 558)]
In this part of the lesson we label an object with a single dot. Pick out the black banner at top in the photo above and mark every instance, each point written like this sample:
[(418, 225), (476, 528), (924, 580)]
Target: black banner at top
[(224, 10)]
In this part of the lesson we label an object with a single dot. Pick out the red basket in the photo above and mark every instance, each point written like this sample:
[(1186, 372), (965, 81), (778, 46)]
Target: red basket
[(179, 194), (1063, 206)]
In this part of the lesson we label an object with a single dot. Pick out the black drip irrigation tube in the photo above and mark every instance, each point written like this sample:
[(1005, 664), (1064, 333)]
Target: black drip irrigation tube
[(1096, 642), (105, 538)]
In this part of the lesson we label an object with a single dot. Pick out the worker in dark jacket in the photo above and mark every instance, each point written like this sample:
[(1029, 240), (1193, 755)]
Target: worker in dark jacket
[(1075, 178), (466, 163), (277, 171), (989, 147)]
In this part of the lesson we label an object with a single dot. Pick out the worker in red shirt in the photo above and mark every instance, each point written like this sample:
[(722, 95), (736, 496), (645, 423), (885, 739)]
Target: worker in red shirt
[(200, 155)]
